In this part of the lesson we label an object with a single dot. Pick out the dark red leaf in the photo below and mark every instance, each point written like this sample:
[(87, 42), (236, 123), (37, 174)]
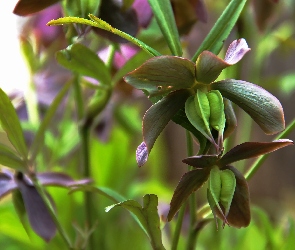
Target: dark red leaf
[(189, 182), (27, 7), (201, 161), (252, 149)]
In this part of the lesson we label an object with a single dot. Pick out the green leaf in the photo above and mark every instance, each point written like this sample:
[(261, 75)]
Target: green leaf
[(98, 23), (221, 29), (189, 182), (38, 141), (203, 107), (155, 120), (230, 118), (163, 12), (9, 158), (11, 125), (27, 7), (147, 215), (248, 150), (196, 120), (239, 214), (162, 75), (264, 108), (84, 61)]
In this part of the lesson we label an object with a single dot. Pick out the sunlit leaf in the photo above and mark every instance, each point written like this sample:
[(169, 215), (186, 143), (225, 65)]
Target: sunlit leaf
[(147, 215), (11, 125), (264, 108), (162, 10), (84, 61), (27, 7), (189, 182), (97, 22), (163, 74), (248, 150), (155, 120), (38, 141)]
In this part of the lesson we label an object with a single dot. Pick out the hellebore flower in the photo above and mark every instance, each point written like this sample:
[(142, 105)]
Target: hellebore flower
[(29, 198), (187, 93), (227, 192)]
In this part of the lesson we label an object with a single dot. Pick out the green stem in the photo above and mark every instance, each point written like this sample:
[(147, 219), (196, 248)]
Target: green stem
[(256, 165), (178, 227), (48, 205), (84, 131), (32, 104), (191, 242)]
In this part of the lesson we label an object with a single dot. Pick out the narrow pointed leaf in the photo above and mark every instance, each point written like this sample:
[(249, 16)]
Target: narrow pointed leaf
[(163, 74), (189, 182), (147, 215), (239, 214), (221, 29), (98, 23), (163, 12), (230, 118), (9, 158), (155, 120), (264, 108), (248, 150), (11, 125), (84, 61), (38, 141), (201, 161), (59, 179), (38, 214), (27, 7)]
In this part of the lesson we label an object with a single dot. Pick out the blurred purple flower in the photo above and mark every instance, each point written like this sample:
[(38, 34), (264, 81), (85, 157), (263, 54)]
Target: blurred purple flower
[(38, 214)]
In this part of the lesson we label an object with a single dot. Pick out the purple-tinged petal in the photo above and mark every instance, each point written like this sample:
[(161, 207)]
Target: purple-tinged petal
[(7, 184), (236, 51), (124, 54), (143, 11), (248, 150), (201, 161), (59, 179), (38, 214)]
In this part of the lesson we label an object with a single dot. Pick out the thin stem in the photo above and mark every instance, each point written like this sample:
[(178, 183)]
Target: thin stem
[(43, 195), (192, 200), (84, 131), (178, 227), (256, 165)]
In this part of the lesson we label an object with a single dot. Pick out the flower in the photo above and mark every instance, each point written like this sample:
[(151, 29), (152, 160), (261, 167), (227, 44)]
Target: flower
[(227, 192), (38, 214), (180, 90)]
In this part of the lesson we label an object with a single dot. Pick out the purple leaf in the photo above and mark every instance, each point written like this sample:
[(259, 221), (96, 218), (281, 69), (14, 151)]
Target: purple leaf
[(38, 214), (155, 120), (163, 74), (252, 149), (201, 161), (7, 184), (189, 182), (264, 108), (59, 179)]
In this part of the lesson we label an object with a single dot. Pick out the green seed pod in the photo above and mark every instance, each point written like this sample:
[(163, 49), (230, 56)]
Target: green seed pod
[(228, 186), (196, 120), (203, 107), (217, 117)]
